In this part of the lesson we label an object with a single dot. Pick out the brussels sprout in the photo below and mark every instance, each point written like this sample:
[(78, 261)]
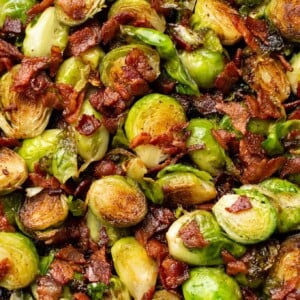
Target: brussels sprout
[(141, 9), (42, 34), (210, 283), (134, 267), (117, 201), (21, 256), (85, 10), (43, 211), (186, 185), (285, 273), (284, 14), (212, 157), (73, 71), (203, 65), (13, 170), (216, 241), (112, 63), (116, 290), (15, 9), (91, 147), (154, 115), (10, 204), (93, 57), (247, 217), (28, 119), (165, 295), (294, 76), (216, 15)]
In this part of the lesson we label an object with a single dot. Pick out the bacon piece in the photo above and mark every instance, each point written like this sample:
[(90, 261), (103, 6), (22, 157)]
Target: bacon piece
[(98, 268), (9, 51), (106, 167), (248, 294), (61, 271), (285, 63), (291, 166), (75, 9), (156, 249), (70, 254), (206, 103), (48, 288), (12, 26), (259, 28), (9, 142), (191, 236), (80, 296), (295, 115), (4, 224), (237, 112), (40, 180), (241, 204), (223, 137), (84, 38), (227, 78), (287, 287), (39, 8), (173, 273), (5, 266), (87, 125), (233, 265)]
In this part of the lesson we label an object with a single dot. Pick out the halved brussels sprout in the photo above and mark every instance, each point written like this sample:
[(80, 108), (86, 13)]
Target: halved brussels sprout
[(186, 185), (93, 57), (13, 170), (28, 119), (211, 158), (294, 76), (165, 295), (210, 283), (15, 9), (117, 201), (216, 15), (43, 211), (135, 268), (141, 9), (215, 241), (85, 10), (112, 63), (285, 273), (21, 256), (247, 217), (116, 290), (203, 65), (153, 115), (284, 14), (44, 33)]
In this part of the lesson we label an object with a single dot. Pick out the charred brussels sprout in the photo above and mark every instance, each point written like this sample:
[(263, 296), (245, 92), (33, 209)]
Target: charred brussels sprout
[(15, 9), (28, 119), (186, 185), (284, 14), (155, 116), (22, 259), (216, 15), (294, 75), (135, 268), (284, 276), (117, 201), (142, 11), (248, 217), (85, 10), (13, 170), (210, 283), (214, 240), (42, 34)]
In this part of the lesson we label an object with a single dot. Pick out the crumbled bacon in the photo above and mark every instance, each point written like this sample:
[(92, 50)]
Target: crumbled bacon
[(75, 9), (80, 296), (156, 249), (291, 166), (9, 142), (149, 294), (258, 27), (12, 26), (5, 266), (87, 125), (9, 51), (173, 273), (224, 137), (106, 167), (287, 287), (191, 236), (61, 271), (39, 8), (70, 254), (48, 288), (40, 180), (233, 265), (241, 204), (248, 294), (206, 103)]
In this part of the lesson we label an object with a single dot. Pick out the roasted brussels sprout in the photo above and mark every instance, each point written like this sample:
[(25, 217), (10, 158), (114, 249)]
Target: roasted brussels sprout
[(155, 116), (284, 14), (19, 254), (117, 201), (247, 217), (85, 10), (217, 15), (116, 290), (294, 75), (208, 252), (28, 119), (283, 279), (248, 2), (134, 267), (142, 11), (13, 170), (165, 295), (186, 185), (203, 65), (15, 9), (210, 283), (212, 157), (42, 34)]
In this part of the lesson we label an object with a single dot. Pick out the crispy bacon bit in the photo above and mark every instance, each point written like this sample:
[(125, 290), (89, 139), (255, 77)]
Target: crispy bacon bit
[(173, 273), (75, 9), (206, 103), (40, 180), (287, 287), (233, 266), (295, 115), (98, 267), (191, 236), (106, 167), (9, 51), (87, 125), (4, 224), (9, 142), (48, 288), (4, 267), (227, 78), (61, 271), (285, 63), (291, 166), (149, 295), (223, 137), (248, 294), (259, 28), (238, 113), (241, 204), (39, 8), (156, 249), (71, 254), (84, 38), (12, 26), (80, 296)]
